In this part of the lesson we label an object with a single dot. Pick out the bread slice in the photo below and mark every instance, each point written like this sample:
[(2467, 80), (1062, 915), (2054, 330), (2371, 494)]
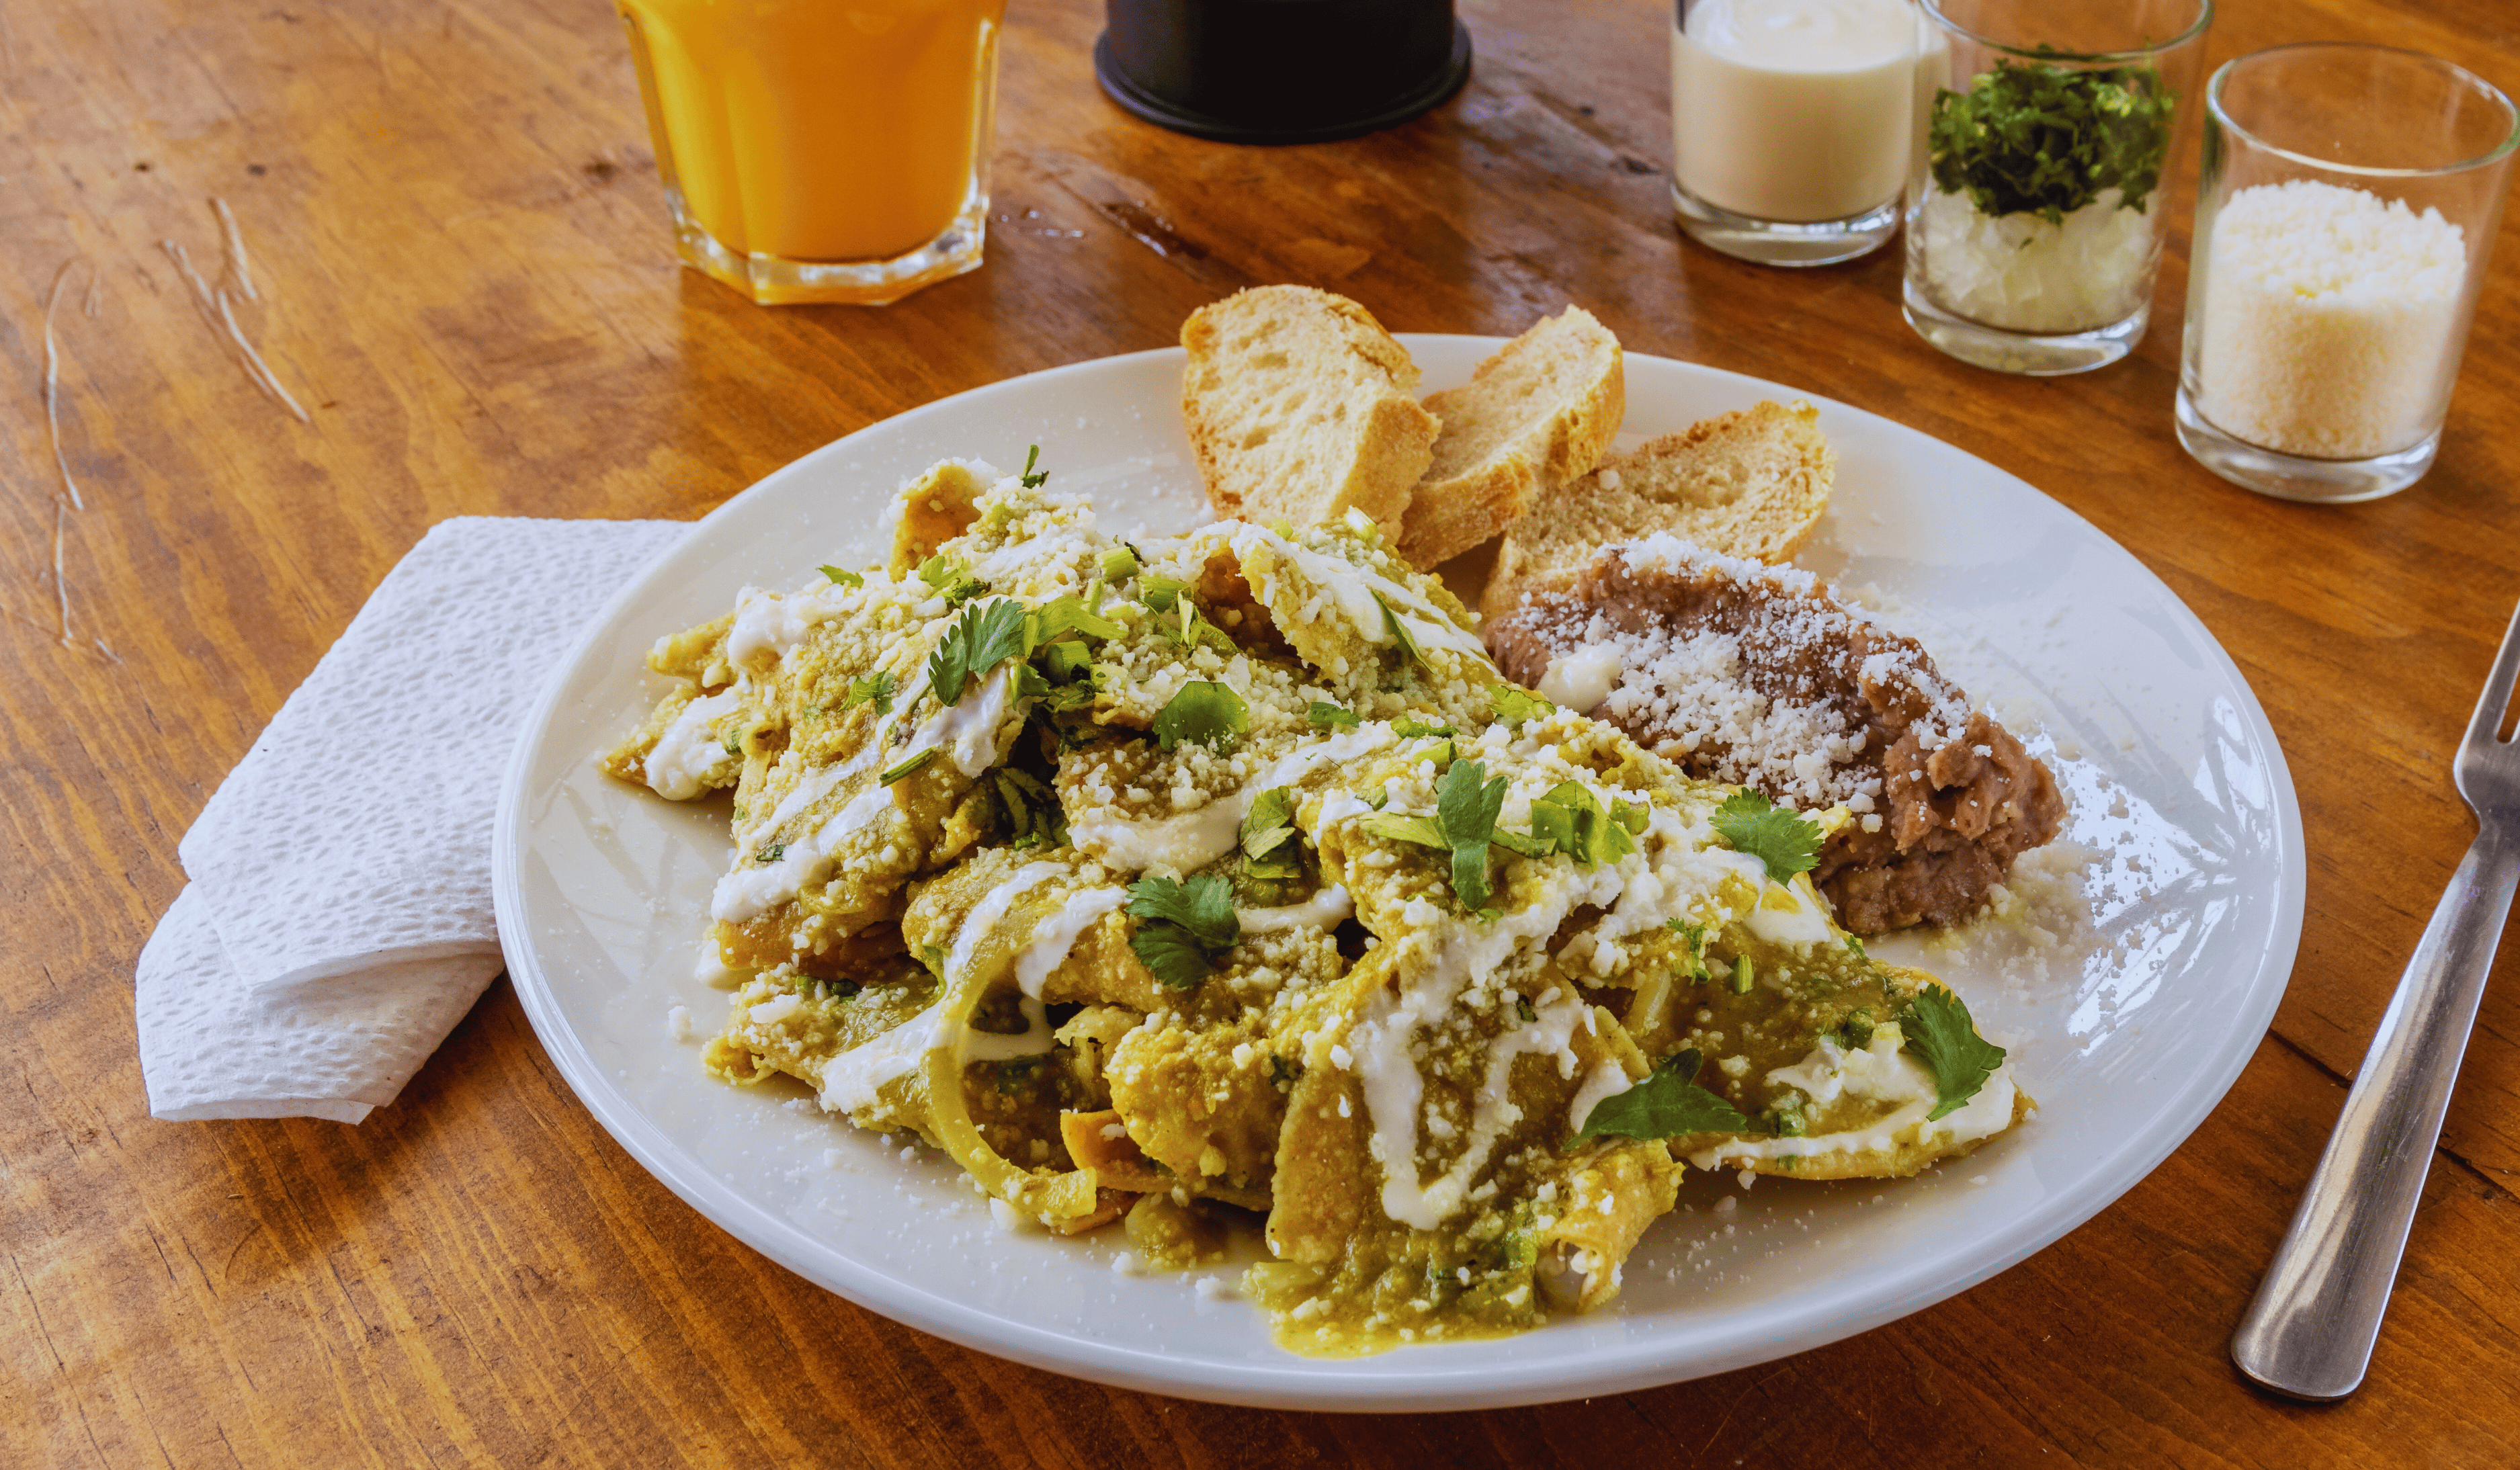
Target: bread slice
[(1533, 418), (1751, 483), (1300, 406)]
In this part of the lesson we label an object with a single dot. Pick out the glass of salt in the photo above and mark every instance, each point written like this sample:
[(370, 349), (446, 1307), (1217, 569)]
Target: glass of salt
[(2037, 200), (2347, 203), (1789, 126)]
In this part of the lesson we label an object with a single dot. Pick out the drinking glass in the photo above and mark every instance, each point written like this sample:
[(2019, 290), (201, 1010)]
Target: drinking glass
[(815, 152), (2346, 213), (1789, 124), (2038, 198)]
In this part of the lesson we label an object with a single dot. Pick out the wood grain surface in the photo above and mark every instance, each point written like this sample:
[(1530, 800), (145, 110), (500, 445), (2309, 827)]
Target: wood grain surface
[(465, 281)]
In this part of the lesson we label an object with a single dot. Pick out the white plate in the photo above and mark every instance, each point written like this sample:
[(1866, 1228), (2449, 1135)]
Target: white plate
[(2129, 1037)]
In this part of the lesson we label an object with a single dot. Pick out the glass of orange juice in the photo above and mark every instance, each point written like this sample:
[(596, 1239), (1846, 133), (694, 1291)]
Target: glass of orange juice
[(821, 150)]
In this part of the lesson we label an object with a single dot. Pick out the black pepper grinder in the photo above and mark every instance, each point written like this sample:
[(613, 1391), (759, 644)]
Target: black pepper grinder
[(1281, 70)]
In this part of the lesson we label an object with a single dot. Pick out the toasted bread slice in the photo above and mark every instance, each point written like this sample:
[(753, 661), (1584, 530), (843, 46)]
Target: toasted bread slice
[(1751, 483), (1300, 406), (1532, 418)]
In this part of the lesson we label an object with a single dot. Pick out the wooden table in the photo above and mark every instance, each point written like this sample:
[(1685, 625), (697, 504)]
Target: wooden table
[(466, 281)]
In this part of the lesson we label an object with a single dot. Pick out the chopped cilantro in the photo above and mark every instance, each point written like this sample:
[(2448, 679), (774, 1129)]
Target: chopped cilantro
[(1777, 836), (1282, 1072), (841, 576), (1786, 1118), (1203, 711), (1067, 663), (2045, 139), (1408, 728), (1571, 819), (1665, 1105), (1331, 715), (952, 579), (1267, 828), (877, 688), (1855, 1032), (1466, 803), (1182, 929), (1510, 706), (771, 853), (1016, 1071), (980, 640), (1855, 947), (1522, 1008), (1937, 1027), (1695, 937), (1034, 816), (1031, 480)]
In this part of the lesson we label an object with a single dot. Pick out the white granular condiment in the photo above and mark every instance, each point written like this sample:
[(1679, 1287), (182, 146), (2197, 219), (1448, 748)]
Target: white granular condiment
[(2329, 321)]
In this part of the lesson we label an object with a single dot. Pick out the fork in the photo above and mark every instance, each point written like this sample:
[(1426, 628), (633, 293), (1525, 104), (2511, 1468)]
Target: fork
[(2309, 1332)]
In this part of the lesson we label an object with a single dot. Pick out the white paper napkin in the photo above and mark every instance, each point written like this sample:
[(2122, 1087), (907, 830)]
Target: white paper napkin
[(338, 920)]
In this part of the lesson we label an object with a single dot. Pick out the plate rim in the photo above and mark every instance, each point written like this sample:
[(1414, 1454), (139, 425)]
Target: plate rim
[(1300, 1383)]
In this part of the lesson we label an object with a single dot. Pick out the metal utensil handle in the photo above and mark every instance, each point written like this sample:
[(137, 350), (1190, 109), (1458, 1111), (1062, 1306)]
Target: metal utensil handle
[(2309, 1333)]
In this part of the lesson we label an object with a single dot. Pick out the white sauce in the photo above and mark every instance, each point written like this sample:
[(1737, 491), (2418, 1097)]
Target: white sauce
[(1354, 587), (1322, 910), (1580, 681), (970, 736), (768, 622), (1187, 841), (1795, 110), (1607, 1079), (1057, 935), (851, 1080), (1451, 954), (688, 757), (1883, 1072)]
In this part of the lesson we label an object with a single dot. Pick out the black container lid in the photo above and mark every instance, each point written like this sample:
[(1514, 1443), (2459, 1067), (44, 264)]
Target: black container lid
[(1281, 70)]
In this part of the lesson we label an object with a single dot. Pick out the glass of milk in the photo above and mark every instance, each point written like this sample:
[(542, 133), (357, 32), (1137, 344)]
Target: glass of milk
[(2348, 204), (1791, 124)]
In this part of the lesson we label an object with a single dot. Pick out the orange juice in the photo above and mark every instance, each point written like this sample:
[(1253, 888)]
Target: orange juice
[(818, 130)]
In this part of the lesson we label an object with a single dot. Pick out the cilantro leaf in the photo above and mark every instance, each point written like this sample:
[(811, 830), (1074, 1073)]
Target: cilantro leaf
[(1777, 836), (1183, 927), (1937, 1027), (1203, 710), (842, 577), (1067, 663), (1467, 804), (1408, 728), (1267, 827), (1571, 819), (1399, 631), (878, 687), (1331, 715), (952, 579), (1510, 706), (1392, 827), (1171, 956), (980, 640), (1032, 481), (2034, 137), (1665, 1105), (1203, 906)]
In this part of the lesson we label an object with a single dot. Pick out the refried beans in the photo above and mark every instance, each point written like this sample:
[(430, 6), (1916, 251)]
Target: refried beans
[(1754, 675)]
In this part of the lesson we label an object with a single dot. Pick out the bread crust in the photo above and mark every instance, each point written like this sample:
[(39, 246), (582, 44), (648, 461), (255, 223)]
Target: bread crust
[(1766, 520), (1457, 507), (1372, 454)]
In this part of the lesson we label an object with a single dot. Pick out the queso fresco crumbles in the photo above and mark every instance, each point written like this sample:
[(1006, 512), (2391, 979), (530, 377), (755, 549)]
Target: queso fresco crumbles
[(1158, 881)]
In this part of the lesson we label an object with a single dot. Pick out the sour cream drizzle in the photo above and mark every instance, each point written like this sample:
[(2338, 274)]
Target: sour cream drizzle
[(1191, 840), (688, 754), (1058, 933)]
